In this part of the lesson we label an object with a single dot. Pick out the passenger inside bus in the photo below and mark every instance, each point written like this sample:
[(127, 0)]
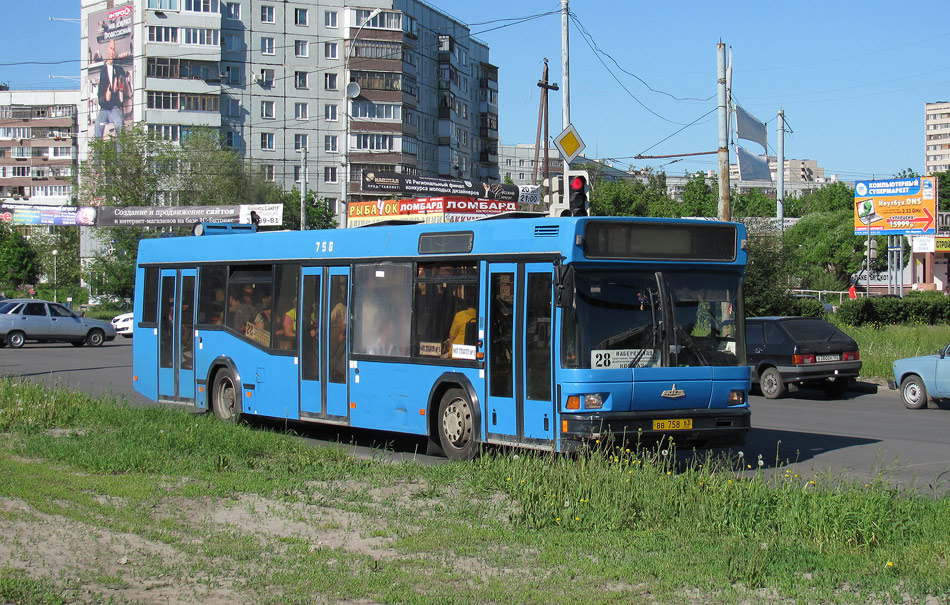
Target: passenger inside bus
[(336, 357), (288, 334), (242, 308), (464, 326)]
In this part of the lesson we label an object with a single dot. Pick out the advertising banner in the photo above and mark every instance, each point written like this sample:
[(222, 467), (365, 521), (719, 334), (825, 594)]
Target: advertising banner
[(109, 78), (896, 207), (394, 182), (425, 210), (29, 214), (171, 216)]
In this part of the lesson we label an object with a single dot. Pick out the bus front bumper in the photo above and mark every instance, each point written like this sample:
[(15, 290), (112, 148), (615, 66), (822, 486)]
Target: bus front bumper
[(707, 428)]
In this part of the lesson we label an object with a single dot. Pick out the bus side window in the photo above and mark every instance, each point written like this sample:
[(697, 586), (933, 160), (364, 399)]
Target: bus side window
[(150, 302), (211, 295), (381, 309)]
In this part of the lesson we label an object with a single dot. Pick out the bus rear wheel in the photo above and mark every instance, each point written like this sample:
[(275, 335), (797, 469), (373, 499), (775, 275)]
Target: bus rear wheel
[(457, 426), (224, 397)]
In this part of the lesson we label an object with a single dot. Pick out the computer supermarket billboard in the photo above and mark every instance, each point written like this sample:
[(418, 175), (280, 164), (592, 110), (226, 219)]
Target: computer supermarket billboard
[(896, 206)]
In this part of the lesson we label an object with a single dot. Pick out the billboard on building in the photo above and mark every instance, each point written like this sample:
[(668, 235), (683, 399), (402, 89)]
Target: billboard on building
[(30, 214), (109, 72), (425, 210), (392, 183), (268, 215), (896, 206)]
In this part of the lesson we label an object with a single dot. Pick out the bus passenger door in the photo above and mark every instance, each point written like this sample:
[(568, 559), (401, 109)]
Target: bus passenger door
[(535, 359), (186, 330), (501, 413), (176, 335), (311, 395), (336, 319)]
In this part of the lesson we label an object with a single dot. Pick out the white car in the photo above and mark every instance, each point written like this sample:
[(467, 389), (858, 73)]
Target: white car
[(123, 325)]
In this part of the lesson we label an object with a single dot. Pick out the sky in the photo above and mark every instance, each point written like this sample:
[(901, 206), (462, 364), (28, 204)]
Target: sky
[(852, 78)]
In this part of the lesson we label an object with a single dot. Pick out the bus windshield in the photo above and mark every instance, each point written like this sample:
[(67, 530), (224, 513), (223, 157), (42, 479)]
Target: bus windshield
[(639, 319)]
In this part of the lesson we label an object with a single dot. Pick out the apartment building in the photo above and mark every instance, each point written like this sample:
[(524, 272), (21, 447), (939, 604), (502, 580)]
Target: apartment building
[(38, 150), (517, 162), (937, 137), (385, 85)]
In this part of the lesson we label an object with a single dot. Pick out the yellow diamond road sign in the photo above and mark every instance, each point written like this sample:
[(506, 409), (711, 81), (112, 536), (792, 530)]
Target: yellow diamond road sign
[(569, 143)]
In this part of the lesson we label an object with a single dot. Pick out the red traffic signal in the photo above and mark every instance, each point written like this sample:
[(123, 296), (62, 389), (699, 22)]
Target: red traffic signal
[(577, 193)]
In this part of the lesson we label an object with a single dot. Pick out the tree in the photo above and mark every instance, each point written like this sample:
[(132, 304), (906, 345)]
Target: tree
[(19, 261), (752, 203), (66, 270), (765, 286), (943, 190), (134, 168), (823, 248), (319, 214), (699, 197), (210, 174), (906, 173), (829, 198)]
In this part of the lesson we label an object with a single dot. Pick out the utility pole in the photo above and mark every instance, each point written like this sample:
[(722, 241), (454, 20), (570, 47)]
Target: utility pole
[(565, 73), (542, 119), (303, 190), (723, 135), (780, 192)]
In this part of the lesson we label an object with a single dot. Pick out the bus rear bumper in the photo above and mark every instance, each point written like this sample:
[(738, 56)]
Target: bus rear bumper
[(725, 427)]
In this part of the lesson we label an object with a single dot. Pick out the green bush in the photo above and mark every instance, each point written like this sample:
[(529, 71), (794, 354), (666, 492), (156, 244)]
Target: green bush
[(926, 308)]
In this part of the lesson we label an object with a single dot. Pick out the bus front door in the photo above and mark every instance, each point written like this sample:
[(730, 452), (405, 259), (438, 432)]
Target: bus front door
[(312, 378), (535, 286), (336, 319), (520, 406), (176, 335), (501, 414)]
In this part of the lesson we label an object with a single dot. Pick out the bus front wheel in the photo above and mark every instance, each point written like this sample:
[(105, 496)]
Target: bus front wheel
[(224, 397), (457, 425)]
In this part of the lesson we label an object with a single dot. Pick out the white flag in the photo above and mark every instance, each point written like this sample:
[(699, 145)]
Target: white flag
[(749, 128), (752, 167)]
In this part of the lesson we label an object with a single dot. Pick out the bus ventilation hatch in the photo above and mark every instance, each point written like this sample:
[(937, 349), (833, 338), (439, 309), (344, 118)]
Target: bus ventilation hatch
[(546, 231)]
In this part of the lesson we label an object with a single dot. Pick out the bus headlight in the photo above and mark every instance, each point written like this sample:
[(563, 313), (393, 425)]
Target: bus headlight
[(593, 401), (736, 397)]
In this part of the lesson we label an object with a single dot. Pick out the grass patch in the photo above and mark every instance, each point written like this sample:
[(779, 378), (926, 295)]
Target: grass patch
[(216, 511), (881, 345)]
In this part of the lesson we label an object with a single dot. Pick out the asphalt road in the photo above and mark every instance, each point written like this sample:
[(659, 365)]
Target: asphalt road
[(863, 434)]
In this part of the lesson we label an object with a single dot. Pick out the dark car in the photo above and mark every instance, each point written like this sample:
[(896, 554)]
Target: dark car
[(44, 321), (805, 351)]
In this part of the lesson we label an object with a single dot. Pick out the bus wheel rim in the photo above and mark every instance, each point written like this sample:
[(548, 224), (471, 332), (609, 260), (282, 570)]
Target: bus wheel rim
[(453, 421)]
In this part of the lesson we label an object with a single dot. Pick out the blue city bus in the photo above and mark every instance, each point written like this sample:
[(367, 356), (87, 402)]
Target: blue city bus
[(541, 333)]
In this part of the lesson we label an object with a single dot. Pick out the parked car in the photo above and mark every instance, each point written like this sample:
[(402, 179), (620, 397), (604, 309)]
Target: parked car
[(123, 325), (44, 321), (805, 351), (923, 378)]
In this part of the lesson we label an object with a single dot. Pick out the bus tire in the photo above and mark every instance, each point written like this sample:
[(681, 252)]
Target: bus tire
[(224, 397), (456, 426)]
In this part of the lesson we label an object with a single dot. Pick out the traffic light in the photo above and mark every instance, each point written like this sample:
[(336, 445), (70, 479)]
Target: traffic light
[(578, 189), (870, 248), (551, 191)]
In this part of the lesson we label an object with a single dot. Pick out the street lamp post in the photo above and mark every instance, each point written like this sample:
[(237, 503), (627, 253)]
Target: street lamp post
[(349, 93), (55, 252)]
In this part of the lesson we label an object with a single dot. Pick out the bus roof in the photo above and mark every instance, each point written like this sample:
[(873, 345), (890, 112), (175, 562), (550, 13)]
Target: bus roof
[(604, 239)]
